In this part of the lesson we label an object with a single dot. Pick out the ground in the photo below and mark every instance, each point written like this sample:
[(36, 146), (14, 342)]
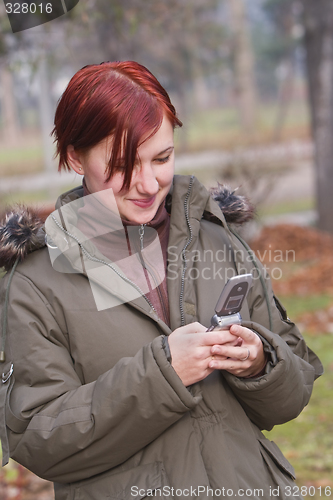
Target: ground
[(300, 259)]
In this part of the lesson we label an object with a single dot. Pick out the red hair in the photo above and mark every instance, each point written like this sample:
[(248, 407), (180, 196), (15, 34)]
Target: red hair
[(122, 99)]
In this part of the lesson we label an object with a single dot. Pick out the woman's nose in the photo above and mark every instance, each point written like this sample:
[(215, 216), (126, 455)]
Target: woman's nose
[(146, 181)]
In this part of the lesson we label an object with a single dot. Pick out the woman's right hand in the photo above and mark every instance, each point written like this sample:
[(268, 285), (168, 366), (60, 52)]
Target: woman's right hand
[(190, 348)]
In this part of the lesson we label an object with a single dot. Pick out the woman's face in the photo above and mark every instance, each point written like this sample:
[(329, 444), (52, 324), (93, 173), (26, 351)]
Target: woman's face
[(151, 180)]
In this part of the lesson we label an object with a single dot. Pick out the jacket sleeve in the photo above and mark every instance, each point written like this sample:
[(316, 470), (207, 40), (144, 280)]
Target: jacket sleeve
[(282, 393), (64, 430)]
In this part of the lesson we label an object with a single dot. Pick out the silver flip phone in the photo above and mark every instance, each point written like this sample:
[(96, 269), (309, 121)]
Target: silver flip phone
[(230, 302)]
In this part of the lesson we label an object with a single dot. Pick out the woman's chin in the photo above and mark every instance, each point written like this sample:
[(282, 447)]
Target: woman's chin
[(143, 220), (140, 218)]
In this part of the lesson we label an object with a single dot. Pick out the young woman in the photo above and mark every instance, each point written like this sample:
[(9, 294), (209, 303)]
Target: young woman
[(111, 385)]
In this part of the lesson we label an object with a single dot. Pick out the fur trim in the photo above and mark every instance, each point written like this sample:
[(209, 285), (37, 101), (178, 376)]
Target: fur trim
[(236, 209), (19, 235)]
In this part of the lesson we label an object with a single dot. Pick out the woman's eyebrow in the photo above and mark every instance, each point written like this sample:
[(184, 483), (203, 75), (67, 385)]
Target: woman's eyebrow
[(171, 148)]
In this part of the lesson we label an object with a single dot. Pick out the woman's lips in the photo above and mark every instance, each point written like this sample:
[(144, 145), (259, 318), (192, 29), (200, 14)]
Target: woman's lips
[(145, 202)]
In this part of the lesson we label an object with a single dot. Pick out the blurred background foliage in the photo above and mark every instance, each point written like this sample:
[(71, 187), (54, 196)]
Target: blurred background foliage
[(252, 81)]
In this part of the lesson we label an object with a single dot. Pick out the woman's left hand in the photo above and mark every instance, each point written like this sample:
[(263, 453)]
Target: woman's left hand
[(246, 359)]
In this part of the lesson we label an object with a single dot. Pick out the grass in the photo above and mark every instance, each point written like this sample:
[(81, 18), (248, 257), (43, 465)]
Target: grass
[(219, 128), (307, 441), (286, 207), (31, 197), (10, 155), (40, 197), (296, 306), (25, 159)]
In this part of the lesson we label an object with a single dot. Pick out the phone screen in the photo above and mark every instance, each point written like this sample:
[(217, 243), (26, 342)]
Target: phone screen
[(233, 295)]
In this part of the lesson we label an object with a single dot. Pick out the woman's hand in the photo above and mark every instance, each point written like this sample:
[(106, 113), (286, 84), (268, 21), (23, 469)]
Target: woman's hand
[(191, 351), (246, 359)]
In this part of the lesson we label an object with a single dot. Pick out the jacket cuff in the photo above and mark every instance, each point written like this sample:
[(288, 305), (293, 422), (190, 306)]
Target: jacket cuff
[(166, 348), (282, 361), (171, 376)]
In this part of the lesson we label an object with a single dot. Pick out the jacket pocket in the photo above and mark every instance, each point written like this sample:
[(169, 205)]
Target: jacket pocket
[(144, 481), (6, 383), (7, 418), (283, 311), (273, 457)]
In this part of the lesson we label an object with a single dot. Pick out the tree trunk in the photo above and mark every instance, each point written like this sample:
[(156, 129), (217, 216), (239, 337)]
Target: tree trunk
[(318, 23), (46, 115), (285, 95), (11, 128), (243, 66)]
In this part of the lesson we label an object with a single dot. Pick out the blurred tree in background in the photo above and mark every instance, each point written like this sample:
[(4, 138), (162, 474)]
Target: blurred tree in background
[(318, 40), (243, 65), (309, 24), (282, 50)]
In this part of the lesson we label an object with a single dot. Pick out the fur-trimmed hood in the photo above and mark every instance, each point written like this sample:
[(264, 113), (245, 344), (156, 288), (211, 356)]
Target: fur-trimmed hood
[(20, 233), (236, 209), (22, 228)]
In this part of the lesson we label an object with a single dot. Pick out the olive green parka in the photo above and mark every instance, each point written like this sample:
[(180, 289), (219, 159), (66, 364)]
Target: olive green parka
[(89, 399)]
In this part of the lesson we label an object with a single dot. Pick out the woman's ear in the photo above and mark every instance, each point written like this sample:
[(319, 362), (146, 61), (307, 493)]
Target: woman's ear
[(75, 160)]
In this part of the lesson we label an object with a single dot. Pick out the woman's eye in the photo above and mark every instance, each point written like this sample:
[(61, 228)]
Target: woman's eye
[(163, 160), (120, 167)]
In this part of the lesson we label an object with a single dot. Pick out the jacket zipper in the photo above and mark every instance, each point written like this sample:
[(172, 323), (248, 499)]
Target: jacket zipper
[(182, 285), (150, 270), (141, 235), (95, 259)]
